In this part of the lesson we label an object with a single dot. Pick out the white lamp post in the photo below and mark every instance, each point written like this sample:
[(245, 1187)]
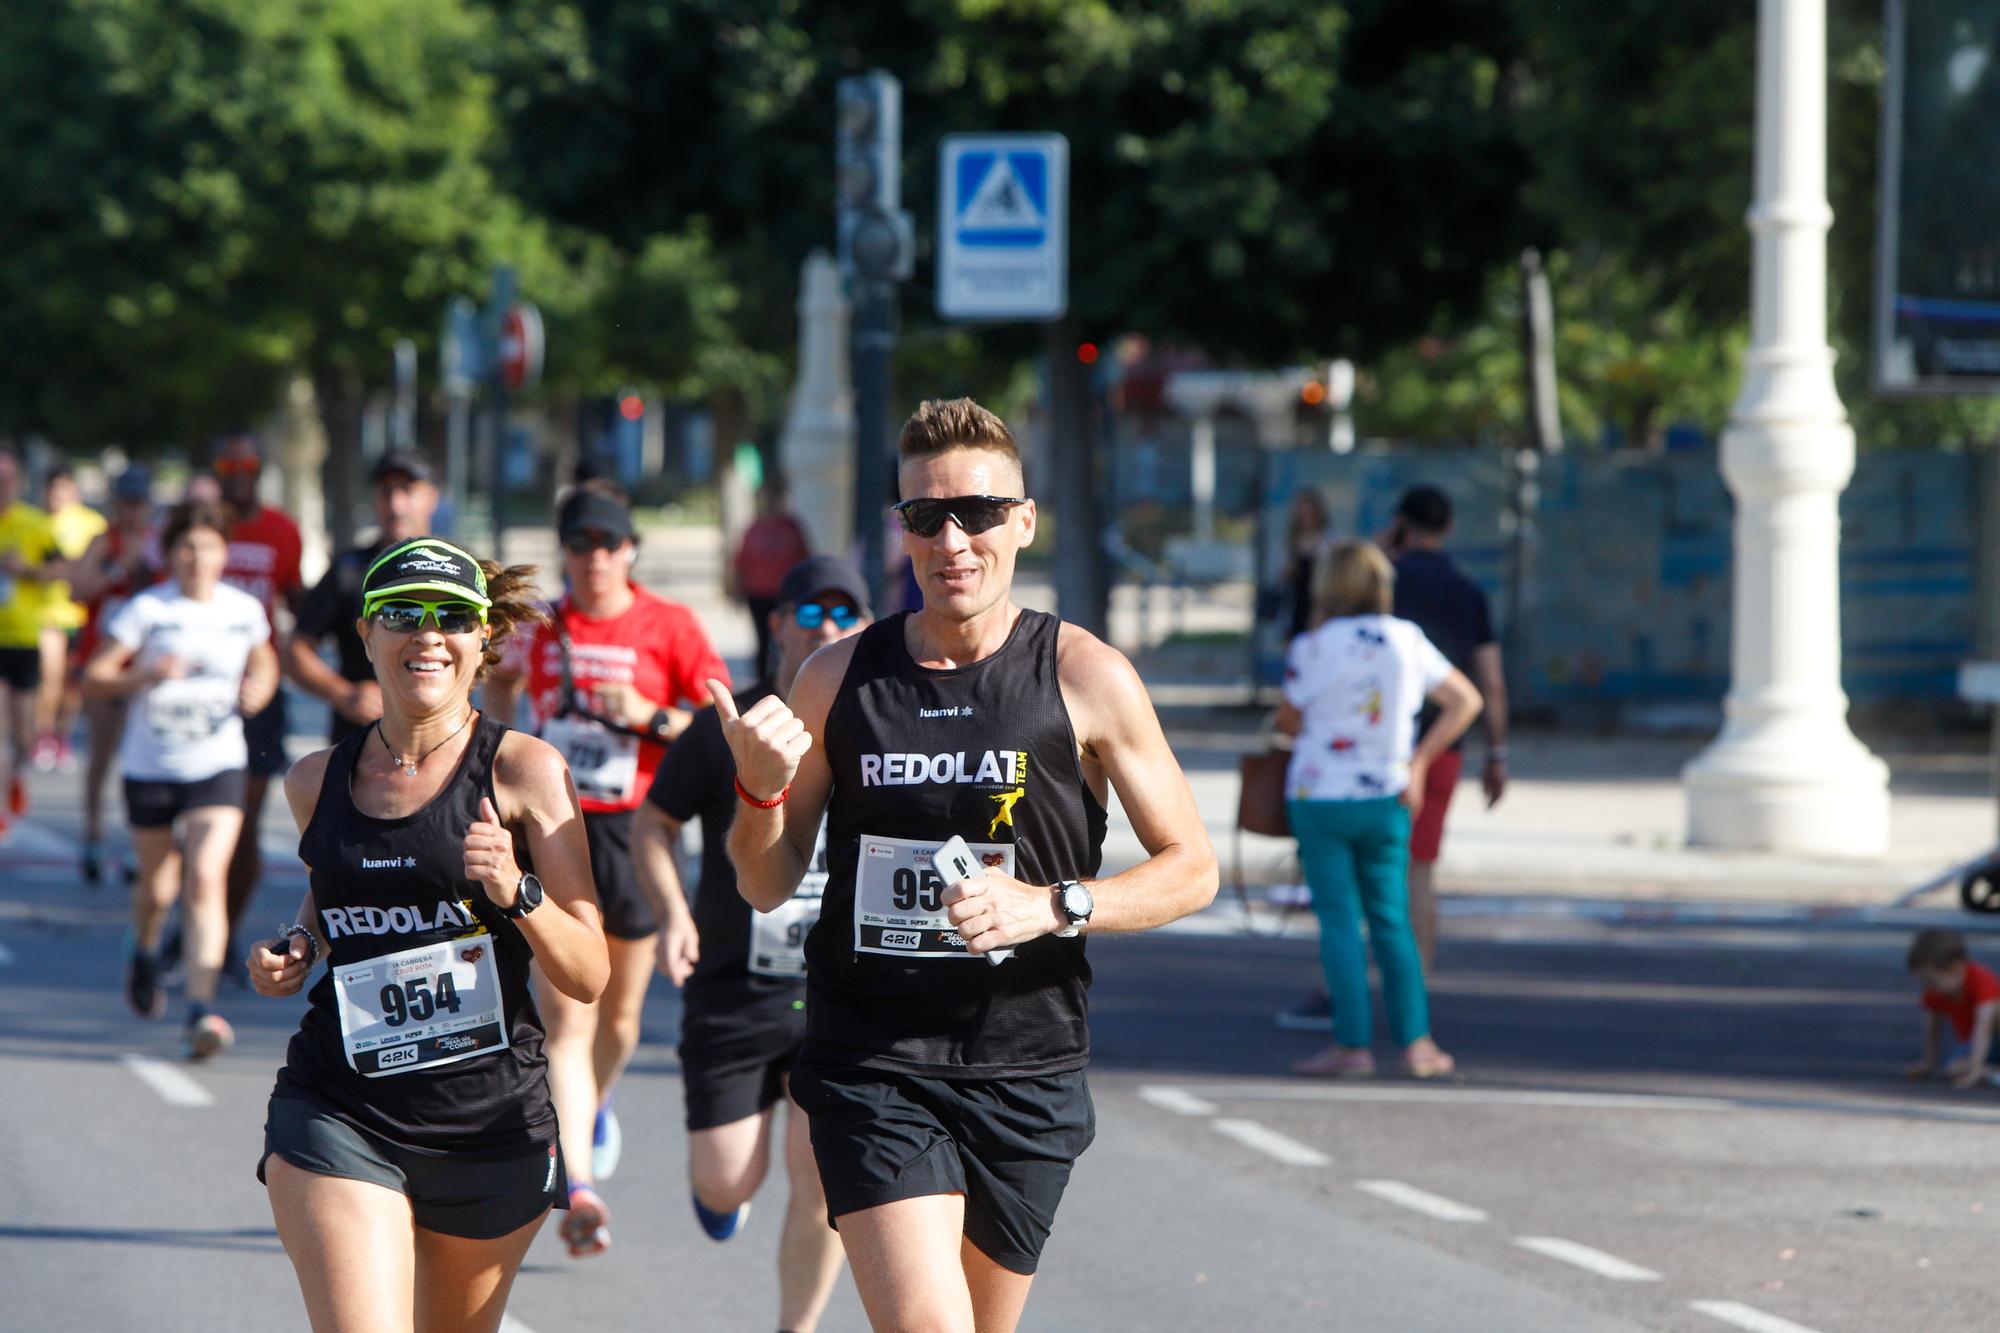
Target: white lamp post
[(1786, 773)]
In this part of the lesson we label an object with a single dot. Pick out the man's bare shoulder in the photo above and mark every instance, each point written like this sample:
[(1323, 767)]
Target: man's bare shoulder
[(819, 679), (1098, 676)]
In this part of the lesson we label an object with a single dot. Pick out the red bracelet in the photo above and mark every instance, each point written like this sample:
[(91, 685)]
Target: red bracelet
[(771, 804)]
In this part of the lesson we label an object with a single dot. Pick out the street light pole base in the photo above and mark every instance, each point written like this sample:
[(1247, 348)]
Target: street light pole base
[(1759, 793)]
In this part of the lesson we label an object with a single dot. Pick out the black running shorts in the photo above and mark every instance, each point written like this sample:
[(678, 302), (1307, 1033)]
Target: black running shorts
[(732, 1071), (264, 732), (21, 668), (627, 914), (1006, 1144), (150, 804), (474, 1198)]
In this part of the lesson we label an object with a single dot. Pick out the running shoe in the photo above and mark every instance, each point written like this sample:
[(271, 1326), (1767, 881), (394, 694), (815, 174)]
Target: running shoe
[(606, 1143), (17, 795), (720, 1226), (45, 755), (1312, 1015), (65, 757), (208, 1036), (142, 984), (586, 1227)]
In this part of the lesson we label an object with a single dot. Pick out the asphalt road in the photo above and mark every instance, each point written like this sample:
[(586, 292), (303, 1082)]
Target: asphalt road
[(1660, 1125)]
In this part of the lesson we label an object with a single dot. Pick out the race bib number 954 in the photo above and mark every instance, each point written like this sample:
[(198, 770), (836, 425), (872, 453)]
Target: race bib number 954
[(422, 1008), (899, 897)]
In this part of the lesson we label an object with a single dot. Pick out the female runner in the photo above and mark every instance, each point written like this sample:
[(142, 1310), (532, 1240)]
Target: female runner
[(410, 1148)]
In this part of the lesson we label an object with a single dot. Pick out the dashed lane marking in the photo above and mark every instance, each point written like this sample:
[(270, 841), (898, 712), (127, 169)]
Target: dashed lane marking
[(1178, 1100), (1596, 1101), (1420, 1201), (1747, 1317), (174, 1087), (1584, 1257), (1271, 1143)]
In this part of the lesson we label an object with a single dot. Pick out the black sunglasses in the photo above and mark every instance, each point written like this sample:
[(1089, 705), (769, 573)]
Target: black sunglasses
[(586, 540), (973, 513)]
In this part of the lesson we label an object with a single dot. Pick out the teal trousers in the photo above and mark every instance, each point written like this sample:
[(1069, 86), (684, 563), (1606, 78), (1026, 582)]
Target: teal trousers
[(1356, 856)]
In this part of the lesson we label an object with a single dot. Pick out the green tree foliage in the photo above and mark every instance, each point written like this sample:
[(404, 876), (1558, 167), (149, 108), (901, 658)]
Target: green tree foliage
[(1639, 119), (220, 192), (1263, 178)]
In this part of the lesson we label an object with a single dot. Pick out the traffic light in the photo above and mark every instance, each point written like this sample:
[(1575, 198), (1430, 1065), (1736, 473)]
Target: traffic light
[(876, 238)]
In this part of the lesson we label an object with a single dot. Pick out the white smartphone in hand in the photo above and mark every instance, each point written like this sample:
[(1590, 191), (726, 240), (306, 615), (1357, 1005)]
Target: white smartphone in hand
[(954, 861)]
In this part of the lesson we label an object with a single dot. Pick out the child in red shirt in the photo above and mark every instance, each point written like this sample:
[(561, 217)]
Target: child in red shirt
[(1958, 989)]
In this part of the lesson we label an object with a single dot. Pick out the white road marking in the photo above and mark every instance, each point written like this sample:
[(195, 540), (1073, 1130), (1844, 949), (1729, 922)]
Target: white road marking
[(1421, 1201), (1747, 1317), (509, 1324), (1271, 1143), (174, 1087), (1178, 1100), (1596, 1101), (1582, 1256)]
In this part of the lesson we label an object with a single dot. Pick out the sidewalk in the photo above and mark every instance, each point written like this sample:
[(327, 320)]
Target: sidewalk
[(1605, 818)]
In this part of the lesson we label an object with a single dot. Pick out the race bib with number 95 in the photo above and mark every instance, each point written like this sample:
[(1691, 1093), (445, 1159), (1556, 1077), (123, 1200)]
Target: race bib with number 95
[(899, 897)]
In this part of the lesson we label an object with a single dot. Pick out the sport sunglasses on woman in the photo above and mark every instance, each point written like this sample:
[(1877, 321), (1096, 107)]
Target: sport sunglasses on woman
[(408, 616)]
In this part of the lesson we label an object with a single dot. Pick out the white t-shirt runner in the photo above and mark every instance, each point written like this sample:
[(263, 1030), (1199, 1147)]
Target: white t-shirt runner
[(1358, 681), (188, 728)]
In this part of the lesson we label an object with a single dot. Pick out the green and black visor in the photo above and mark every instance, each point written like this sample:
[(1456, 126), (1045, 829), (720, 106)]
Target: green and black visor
[(426, 568)]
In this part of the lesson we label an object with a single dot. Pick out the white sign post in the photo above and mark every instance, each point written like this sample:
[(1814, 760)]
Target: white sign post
[(1003, 227)]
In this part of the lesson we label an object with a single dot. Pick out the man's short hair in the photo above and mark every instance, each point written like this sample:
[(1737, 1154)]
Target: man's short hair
[(940, 424), (1935, 949), (1425, 508)]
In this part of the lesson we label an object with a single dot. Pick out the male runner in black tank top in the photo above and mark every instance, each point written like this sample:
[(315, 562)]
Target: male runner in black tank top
[(945, 1087)]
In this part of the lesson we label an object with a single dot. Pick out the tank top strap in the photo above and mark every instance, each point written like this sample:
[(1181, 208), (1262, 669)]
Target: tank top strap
[(486, 736)]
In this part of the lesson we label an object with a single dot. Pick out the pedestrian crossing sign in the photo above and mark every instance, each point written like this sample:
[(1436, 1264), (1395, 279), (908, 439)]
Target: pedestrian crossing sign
[(1003, 227)]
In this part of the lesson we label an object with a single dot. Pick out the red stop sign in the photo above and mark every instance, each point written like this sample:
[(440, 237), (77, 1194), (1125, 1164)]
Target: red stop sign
[(521, 346)]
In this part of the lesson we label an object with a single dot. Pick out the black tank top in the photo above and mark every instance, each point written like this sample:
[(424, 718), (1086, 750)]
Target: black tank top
[(986, 751), (385, 885)]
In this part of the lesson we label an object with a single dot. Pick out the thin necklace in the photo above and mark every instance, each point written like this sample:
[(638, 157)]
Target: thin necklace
[(409, 766)]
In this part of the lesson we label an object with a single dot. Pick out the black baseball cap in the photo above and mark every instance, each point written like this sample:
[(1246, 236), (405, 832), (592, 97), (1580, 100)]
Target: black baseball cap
[(818, 574), (588, 509), (406, 462), (423, 565)]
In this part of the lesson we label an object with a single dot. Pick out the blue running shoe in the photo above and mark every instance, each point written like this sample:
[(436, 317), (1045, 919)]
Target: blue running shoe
[(720, 1226), (606, 1143)]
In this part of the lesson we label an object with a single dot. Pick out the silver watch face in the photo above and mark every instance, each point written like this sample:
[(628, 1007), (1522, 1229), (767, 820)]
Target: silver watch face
[(1077, 902), (531, 892)]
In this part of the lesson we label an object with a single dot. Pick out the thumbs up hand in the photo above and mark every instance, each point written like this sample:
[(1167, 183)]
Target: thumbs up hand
[(489, 856), (767, 742)]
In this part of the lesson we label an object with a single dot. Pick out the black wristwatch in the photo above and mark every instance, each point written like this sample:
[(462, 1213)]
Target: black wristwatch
[(1075, 902), (526, 898), (662, 719)]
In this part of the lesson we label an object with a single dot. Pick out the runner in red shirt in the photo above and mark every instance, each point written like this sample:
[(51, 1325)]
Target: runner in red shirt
[(613, 677), (264, 551)]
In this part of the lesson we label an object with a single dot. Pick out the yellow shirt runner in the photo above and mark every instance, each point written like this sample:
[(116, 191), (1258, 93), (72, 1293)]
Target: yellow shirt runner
[(24, 531)]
